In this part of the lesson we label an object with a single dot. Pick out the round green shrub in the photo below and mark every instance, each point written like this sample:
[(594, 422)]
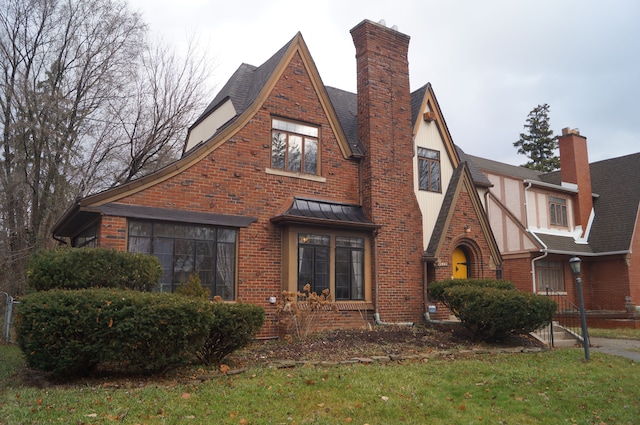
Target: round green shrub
[(81, 268), (234, 327), (71, 333), (494, 309)]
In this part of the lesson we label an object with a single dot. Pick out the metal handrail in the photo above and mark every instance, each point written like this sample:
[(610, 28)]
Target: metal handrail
[(567, 316)]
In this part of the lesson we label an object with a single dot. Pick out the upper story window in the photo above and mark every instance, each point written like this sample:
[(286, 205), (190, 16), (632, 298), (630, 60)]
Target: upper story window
[(558, 211), (429, 169), (294, 147)]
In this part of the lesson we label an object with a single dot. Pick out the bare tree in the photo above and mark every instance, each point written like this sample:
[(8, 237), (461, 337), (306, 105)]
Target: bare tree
[(85, 104), (167, 92)]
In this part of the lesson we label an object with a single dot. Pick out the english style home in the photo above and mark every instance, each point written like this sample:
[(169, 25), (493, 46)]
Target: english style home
[(589, 210), (285, 182)]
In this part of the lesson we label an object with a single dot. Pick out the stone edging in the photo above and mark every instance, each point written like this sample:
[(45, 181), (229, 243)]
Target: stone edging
[(287, 364)]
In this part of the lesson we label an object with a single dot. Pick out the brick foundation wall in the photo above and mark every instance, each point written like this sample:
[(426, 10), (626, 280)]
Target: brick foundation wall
[(517, 269)]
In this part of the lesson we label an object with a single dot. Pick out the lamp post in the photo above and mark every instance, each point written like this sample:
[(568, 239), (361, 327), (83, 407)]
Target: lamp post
[(574, 262)]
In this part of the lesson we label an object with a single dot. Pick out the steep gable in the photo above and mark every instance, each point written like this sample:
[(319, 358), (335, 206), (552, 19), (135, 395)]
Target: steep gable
[(248, 89), (461, 190)]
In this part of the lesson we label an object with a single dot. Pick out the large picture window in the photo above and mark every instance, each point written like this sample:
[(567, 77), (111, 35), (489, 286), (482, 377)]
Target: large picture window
[(549, 274), (183, 250), (429, 169), (294, 147)]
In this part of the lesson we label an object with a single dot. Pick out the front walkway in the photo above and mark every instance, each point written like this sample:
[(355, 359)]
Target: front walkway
[(628, 348)]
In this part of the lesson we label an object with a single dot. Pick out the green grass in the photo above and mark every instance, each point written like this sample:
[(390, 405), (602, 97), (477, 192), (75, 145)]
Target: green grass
[(620, 333), (554, 387)]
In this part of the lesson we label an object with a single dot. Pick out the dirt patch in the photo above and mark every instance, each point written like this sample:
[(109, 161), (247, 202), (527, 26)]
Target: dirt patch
[(340, 345)]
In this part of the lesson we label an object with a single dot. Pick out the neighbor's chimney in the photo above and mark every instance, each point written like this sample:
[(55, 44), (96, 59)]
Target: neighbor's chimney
[(574, 168)]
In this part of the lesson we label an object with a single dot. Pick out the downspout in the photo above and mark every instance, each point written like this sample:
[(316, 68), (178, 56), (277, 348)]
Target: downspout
[(376, 314), (544, 250)]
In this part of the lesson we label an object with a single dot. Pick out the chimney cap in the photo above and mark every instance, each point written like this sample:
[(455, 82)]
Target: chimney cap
[(567, 130)]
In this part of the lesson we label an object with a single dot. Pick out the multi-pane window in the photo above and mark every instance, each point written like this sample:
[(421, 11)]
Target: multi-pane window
[(294, 147), (322, 256), (87, 238), (549, 274), (184, 250), (349, 268), (429, 169), (313, 262), (558, 211)]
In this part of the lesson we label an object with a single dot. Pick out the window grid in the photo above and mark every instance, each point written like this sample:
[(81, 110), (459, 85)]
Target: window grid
[(550, 274), (294, 147), (429, 169), (183, 250), (558, 211)]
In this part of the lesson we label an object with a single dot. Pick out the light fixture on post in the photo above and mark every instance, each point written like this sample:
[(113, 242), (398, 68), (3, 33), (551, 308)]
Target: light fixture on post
[(574, 262)]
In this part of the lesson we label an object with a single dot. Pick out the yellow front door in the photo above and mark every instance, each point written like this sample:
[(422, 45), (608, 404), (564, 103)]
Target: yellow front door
[(459, 264)]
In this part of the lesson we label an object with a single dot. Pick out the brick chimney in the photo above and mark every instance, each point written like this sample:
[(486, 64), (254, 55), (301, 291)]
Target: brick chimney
[(388, 197), (574, 168)]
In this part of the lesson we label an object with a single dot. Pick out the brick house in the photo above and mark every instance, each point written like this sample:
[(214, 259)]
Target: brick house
[(541, 220), (284, 181)]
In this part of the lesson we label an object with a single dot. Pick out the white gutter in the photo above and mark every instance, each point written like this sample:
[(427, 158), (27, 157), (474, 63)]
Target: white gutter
[(550, 186)]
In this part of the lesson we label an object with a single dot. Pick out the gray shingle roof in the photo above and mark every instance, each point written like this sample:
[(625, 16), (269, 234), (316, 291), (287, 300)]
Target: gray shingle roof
[(505, 169), (346, 106), (563, 244), (478, 176), (617, 182), (246, 83)]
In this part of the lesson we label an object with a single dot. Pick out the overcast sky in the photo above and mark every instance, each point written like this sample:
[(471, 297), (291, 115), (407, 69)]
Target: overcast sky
[(490, 62)]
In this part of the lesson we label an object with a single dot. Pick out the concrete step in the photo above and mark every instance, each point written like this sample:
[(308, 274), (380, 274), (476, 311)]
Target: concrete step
[(561, 337)]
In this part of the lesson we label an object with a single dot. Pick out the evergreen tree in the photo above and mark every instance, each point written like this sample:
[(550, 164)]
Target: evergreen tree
[(538, 143)]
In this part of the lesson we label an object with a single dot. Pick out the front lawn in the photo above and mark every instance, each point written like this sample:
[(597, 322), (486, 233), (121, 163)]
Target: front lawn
[(552, 387)]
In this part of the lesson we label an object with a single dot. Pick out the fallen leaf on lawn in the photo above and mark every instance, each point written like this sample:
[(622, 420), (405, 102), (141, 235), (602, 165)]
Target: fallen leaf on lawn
[(384, 398), (462, 407), (186, 396), (348, 420), (91, 415), (224, 368), (467, 395), (39, 402), (321, 405), (243, 421)]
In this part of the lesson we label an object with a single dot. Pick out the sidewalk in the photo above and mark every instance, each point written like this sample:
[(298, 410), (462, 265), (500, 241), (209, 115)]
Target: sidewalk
[(618, 347)]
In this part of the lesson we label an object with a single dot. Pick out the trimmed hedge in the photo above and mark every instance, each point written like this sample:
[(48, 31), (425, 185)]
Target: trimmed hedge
[(82, 268), (233, 328), (437, 289), (73, 332), (494, 309)]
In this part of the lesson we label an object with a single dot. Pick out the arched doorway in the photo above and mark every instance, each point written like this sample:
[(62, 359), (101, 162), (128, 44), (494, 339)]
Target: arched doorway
[(459, 264)]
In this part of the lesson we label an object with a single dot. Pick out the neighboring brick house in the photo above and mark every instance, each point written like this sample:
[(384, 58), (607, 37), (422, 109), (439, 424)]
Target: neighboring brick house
[(284, 181), (541, 220)]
